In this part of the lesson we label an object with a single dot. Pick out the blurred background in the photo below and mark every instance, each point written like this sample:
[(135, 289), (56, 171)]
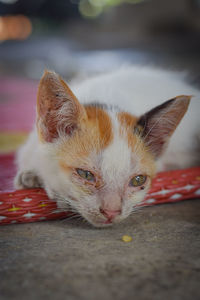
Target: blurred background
[(89, 36), (80, 37)]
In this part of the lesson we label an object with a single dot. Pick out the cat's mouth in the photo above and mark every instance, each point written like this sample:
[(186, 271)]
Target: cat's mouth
[(102, 221), (108, 222), (100, 224)]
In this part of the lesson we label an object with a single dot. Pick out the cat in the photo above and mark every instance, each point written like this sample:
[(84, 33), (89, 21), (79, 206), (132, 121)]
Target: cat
[(98, 156)]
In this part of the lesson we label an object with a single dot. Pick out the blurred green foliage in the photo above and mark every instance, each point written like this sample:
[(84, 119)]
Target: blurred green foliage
[(94, 8)]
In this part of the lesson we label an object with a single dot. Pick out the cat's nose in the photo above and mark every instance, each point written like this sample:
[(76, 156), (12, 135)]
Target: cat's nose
[(110, 214)]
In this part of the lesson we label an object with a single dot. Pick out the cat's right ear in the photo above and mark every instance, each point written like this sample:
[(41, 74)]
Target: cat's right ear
[(58, 110)]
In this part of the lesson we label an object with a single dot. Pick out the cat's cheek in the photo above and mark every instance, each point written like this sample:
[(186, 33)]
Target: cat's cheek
[(82, 185), (135, 195)]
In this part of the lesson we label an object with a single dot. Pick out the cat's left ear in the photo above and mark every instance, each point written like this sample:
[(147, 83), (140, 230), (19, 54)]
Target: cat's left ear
[(58, 110), (157, 125)]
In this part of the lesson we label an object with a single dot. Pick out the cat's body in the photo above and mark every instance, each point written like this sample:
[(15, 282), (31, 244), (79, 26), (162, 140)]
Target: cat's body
[(108, 138)]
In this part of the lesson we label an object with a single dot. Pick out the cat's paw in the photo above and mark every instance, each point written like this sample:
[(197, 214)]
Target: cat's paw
[(27, 180)]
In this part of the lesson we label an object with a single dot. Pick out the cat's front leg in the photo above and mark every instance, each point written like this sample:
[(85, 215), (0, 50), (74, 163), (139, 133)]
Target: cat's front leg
[(27, 180)]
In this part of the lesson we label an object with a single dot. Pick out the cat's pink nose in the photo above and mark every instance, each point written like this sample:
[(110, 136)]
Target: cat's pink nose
[(110, 214)]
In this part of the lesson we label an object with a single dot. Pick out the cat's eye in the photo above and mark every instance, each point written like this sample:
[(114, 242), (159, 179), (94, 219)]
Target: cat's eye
[(138, 180), (87, 175)]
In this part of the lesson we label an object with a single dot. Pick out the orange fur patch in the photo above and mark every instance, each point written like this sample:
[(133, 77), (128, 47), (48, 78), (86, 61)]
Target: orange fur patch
[(100, 119), (127, 120), (95, 134)]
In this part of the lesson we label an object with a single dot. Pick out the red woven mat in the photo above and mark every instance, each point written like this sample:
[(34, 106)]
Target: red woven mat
[(33, 204)]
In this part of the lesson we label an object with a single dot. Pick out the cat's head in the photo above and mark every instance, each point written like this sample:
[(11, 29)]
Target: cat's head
[(100, 161)]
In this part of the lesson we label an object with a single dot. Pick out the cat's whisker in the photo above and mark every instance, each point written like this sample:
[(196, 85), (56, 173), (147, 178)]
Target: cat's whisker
[(69, 218)]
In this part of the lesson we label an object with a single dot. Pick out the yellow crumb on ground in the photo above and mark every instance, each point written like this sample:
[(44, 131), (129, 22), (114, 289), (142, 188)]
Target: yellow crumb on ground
[(127, 238)]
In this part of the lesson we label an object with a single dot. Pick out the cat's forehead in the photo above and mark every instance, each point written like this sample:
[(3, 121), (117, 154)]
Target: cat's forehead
[(111, 124), (124, 155), (99, 125), (116, 160), (107, 142)]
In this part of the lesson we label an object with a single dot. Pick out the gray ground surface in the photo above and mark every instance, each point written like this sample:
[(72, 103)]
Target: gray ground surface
[(72, 260)]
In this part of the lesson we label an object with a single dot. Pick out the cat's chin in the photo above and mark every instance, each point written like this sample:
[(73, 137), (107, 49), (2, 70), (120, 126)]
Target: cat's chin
[(102, 223)]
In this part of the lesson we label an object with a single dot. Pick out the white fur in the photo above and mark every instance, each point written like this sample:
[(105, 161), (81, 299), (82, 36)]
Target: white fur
[(135, 90), (116, 158)]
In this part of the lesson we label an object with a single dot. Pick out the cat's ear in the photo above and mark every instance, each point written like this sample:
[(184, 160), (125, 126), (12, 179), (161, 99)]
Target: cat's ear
[(157, 125), (58, 110)]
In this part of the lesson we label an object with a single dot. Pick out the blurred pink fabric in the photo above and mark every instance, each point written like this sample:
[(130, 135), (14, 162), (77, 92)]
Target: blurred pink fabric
[(17, 104)]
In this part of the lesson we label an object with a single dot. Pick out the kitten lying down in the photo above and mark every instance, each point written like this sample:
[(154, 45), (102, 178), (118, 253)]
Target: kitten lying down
[(98, 156)]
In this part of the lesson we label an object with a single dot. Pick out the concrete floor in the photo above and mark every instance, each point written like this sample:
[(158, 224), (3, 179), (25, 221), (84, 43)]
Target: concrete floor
[(71, 260)]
